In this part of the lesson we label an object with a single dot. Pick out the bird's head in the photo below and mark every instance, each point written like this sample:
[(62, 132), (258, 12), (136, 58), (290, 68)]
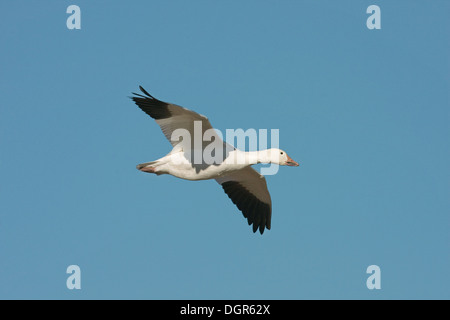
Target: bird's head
[(280, 157)]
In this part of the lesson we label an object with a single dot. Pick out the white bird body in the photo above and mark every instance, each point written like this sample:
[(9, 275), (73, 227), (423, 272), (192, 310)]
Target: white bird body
[(244, 186), (177, 164)]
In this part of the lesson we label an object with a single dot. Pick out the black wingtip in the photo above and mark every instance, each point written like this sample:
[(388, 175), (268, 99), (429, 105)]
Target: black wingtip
[(139, 95), (258, 227), (145, 92), (258, 213)]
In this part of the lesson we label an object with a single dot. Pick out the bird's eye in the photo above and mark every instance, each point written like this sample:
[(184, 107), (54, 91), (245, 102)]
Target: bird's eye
[(281, 152)]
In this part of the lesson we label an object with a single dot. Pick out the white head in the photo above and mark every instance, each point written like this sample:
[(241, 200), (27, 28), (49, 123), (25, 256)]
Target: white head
[(280, 157)]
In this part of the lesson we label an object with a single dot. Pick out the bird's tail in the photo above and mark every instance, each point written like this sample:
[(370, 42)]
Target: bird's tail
[(143, 165)]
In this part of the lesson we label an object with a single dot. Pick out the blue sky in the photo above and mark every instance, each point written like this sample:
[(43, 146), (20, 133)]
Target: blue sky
[(365, 112)]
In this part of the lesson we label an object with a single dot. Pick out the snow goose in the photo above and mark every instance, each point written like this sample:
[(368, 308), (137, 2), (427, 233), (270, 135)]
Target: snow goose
[(243, 185)]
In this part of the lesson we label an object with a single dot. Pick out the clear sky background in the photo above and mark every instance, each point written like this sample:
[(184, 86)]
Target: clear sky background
[(365, 112)]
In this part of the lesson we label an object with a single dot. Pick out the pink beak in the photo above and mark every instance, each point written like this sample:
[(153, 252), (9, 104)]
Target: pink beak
[(291, 162)]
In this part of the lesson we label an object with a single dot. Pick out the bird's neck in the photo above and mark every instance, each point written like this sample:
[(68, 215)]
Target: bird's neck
[(254, 157)]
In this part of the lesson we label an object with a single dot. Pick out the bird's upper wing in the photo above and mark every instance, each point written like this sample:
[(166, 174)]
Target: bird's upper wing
[(171, 117), (248, 191)]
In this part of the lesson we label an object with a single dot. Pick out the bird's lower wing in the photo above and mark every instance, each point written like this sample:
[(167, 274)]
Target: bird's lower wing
[(248, 191)]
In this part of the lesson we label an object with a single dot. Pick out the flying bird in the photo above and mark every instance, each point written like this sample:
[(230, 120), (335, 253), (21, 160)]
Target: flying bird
[(246, 188)]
